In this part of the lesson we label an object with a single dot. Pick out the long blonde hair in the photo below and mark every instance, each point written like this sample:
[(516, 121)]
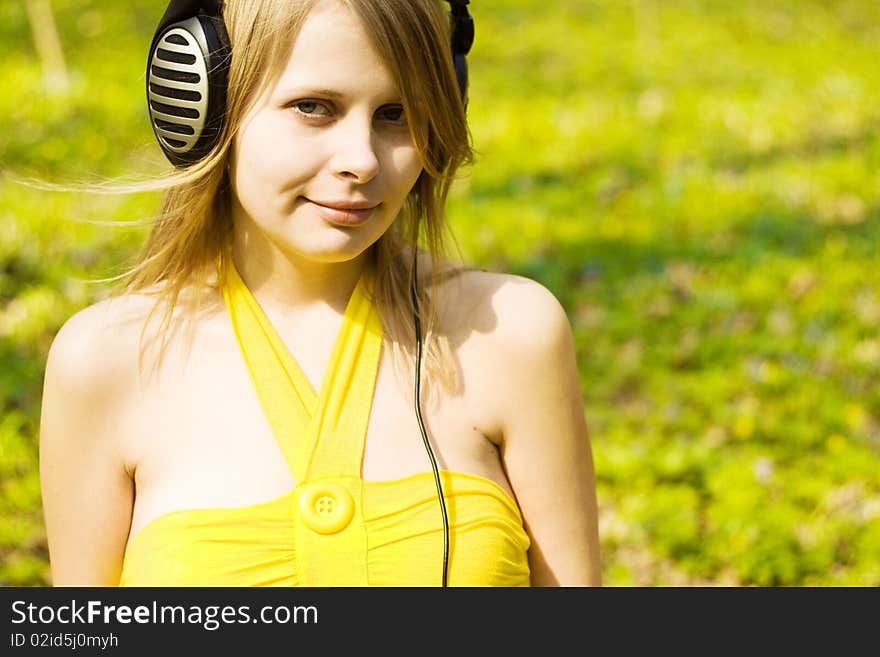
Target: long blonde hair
[(193, 224)]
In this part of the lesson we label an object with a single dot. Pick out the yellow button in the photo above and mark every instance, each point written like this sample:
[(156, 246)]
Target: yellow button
[(326, 507)]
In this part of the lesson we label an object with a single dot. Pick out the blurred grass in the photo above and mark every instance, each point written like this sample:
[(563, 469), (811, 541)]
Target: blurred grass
[(696, 181)]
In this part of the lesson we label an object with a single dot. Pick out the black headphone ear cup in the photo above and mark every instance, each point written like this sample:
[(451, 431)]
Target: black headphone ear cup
[(461, 73), (187, 74), (462, 24)]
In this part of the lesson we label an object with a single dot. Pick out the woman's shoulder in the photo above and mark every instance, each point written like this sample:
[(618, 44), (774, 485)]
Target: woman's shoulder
[(508, 310), (512, 338), (97, 346)]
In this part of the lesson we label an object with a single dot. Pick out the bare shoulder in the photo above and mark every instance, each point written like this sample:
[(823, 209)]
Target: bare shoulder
[(106, 338), (528, 312), (94, 346), (509, 310), (511, 334), (94, 381)]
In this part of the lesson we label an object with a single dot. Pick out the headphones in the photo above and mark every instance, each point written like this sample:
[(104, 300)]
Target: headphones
[(187, 78)]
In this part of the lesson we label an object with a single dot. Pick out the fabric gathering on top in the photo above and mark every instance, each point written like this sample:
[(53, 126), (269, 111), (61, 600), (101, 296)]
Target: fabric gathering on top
[(333, 528)]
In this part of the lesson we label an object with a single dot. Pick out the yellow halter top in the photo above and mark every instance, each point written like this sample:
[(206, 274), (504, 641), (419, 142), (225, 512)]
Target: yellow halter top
[(333, 528)]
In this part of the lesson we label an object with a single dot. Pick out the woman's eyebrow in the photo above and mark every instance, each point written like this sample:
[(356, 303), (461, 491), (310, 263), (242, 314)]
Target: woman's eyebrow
[(308, 91), (333, 94)]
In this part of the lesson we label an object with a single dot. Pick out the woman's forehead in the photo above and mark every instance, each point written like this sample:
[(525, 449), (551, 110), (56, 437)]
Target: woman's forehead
[(333, 52)]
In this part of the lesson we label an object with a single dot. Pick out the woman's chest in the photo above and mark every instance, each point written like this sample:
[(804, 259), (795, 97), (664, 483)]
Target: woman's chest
[(199, 436)]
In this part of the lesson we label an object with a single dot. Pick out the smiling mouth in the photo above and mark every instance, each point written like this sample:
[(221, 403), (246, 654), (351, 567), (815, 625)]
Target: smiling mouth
[(344, 214), (344, 205)]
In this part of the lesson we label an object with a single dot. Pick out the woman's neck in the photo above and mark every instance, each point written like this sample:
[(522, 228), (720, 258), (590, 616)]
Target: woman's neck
[(289, 282)]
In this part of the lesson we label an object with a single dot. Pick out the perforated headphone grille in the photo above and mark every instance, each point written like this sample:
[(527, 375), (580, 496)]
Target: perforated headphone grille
[(178, 87)]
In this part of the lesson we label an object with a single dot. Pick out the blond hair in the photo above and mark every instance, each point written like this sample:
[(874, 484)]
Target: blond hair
[(193, 225)]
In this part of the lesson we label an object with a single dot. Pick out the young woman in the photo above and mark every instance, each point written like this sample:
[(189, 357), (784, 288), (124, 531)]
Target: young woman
[(267, 431)]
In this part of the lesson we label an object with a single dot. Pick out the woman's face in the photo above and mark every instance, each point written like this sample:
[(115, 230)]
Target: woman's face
[(323, 162)]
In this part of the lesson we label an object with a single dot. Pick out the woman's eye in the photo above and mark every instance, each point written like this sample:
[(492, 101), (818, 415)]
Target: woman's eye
[(310, 108), (313, 109), (392, 113)]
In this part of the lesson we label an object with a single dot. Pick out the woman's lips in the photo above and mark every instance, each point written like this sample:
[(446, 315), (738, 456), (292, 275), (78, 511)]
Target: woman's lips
[(342, 216)]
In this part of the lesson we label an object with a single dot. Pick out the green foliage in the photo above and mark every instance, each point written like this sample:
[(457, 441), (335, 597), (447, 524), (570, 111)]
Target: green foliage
[(697, 183)]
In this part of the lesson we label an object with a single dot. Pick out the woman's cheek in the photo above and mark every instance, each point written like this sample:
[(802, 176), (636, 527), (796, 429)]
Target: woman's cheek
[(409, 166), (269, 143)]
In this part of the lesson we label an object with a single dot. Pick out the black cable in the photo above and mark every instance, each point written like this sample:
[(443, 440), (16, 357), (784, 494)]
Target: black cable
[(418, 376)]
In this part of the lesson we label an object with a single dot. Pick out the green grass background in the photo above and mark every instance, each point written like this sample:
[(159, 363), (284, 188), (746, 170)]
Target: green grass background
[(696, 180)]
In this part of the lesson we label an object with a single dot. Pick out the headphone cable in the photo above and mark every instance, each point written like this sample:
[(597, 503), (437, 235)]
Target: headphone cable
[(418, 376)]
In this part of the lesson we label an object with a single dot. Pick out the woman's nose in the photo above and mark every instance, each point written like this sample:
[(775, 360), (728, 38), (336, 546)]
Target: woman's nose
[(355, 158)]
